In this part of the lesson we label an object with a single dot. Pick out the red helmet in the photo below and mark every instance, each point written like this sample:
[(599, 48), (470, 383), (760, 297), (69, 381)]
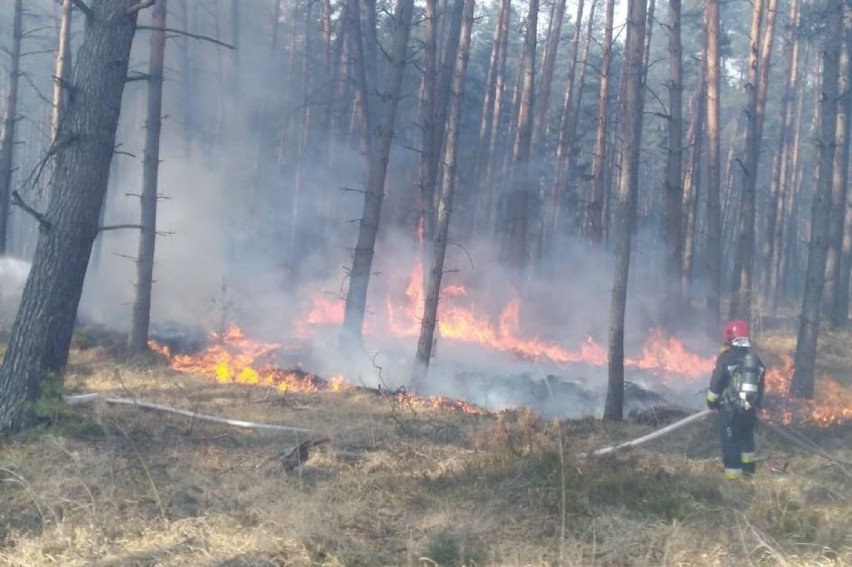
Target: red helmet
[(735, 330)]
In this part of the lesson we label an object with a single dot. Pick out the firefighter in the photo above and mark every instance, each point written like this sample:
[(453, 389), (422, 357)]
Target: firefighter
[(736, 390)]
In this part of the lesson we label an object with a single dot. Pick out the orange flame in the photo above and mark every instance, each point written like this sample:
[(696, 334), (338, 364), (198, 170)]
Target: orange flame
[(232, 357)]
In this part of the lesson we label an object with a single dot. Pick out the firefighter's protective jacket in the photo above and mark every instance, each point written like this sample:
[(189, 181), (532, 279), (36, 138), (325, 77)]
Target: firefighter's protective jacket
[(727, 362)]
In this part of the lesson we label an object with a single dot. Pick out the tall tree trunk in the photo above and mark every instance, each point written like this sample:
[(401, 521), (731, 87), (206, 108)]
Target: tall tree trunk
[(137, 340), (631, 111), (785, 232), (445, 205), (837, 282), (494, 197), (10, 118), (759, 62), (802, 384), (777, 187), (691, 183), (522, 181), (596, 204), (547, 67), (62, 69), (565, 140), (438, 108), (673, 194), (714, 228), (359, 277), (840, 314), (41, 335)]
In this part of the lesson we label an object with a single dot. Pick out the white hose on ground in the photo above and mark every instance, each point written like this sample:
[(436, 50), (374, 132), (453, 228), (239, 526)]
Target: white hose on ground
[(653, 435), (88, 398)]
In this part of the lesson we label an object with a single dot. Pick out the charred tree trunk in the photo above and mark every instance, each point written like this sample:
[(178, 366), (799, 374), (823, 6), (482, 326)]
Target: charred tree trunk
[(62, 69), (41, 335), (10, 119), (802, 384), (137, 340), (673, 195), (714, 227), (631, 111), (596, 205), (445, 204), (359, 277)]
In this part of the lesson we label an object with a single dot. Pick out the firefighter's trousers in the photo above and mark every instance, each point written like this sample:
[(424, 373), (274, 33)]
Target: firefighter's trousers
[(736, 429)]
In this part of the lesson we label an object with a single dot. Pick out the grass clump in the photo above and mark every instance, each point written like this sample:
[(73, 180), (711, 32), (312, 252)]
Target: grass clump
[(449, 549)]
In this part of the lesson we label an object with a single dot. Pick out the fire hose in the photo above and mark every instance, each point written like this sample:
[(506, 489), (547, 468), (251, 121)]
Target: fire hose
[(653, 435)]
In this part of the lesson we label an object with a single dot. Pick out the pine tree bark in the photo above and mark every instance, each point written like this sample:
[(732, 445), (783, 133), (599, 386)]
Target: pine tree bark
[(777, 187), (714, 228), (62, 69), (596, 204), (802, 384), (445, 204), (673, 194), (489, 162), (837, 282), (522, 182), (628, 181), (359, 277), (565, 141), (548, 66), (840, 314), (691, 183), (741, 301), (41, 335), (10, 119), (137, 340)]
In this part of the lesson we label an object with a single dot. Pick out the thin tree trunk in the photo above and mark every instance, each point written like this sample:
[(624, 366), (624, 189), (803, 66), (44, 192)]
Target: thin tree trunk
[(522, 182), (359, 277), (691, 183), (565, 141), (777, 189), (802, 383), (714, 229), (741, 304), (137, 341), (840, 315), (495, 132), (547, 67), (41, 335), (445, 205), (628, 181), (10, 118), (837, 282), (596, 204), (62, 69), (673, 195)]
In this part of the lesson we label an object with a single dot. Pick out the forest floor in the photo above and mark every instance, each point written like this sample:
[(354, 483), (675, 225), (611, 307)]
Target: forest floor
[(401, 484)]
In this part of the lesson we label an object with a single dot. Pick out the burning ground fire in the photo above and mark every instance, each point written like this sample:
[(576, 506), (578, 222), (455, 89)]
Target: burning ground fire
[(233, 357)]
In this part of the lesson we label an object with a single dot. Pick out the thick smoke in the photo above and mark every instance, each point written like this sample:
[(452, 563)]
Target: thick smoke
[(226, 254)]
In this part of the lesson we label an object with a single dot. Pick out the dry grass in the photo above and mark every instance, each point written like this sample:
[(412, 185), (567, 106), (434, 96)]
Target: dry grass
[(397, 485)]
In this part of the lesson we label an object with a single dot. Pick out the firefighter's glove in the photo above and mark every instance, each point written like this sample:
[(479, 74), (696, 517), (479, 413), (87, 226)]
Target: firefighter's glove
[(713, 401)]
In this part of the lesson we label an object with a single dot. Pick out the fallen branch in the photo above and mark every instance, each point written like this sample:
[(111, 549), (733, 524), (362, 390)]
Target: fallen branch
[(88, 398), (653, 435)]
